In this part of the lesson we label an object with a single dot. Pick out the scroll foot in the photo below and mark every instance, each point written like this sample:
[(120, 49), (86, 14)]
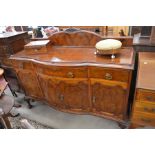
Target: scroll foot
[(122, 125), (28, 102)]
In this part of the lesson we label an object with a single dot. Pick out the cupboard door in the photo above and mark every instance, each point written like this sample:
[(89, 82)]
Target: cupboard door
[(108, 97), (30, 83), (69, 94), (76, 94), (53, 90)]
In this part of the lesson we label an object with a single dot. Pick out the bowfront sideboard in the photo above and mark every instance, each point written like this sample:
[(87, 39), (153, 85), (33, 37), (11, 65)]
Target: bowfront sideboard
[(70, 77)]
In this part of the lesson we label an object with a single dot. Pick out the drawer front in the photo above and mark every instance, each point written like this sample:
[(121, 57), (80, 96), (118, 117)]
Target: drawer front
[(109, 74), (145, 95), (66, 72), (19, 64), (143, 119), (145, 107)]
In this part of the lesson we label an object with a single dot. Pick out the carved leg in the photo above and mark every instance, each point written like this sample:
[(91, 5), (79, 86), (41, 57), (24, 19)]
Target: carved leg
[(14, 93), (28, 102), (32, 100), (122, 125)]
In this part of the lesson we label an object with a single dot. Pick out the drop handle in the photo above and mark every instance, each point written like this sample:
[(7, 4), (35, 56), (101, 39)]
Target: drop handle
[(70, 75), (108, 76), (61, 97)]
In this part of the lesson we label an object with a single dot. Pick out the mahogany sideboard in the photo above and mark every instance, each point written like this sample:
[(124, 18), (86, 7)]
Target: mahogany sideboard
[(11, 43), (70, 77), (143, 113)]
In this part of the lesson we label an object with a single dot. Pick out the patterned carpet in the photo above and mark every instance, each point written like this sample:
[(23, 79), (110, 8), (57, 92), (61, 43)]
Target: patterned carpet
[(15, 123)]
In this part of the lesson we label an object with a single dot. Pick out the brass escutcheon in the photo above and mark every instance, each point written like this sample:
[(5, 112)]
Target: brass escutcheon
[(70, 75), (108, 76)]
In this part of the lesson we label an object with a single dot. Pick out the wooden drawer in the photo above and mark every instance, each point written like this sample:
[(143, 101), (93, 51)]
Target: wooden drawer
[(109, 74), (145, 95), (145, 107), (61, 71), (20, 64), (143, 118)]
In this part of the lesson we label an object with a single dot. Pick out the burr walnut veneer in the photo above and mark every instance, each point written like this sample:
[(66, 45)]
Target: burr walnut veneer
[(70, 77)]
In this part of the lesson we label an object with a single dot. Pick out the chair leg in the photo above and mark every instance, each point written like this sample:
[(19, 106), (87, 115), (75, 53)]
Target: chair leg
[(28, 102), (2, 123), (10, 115), (30, 106), (14, 94), (12, 91), (6, 122)]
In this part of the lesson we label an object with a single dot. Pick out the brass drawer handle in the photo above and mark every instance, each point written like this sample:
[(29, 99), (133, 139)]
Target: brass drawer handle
[(70, 75), (108, 76), (61, 97), (150, 98), (145, 120)]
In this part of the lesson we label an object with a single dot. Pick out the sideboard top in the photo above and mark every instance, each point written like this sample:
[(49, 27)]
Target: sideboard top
[(10, 34), (78, 48), (75, 56), (146, 71)]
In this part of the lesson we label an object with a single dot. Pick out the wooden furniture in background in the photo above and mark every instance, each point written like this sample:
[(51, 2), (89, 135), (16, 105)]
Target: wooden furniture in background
[(143, 44), (146, 39), (115, 30), (70, 77), (143, 30), (11, 43), (152, 37), (143, 113), (102, 30)]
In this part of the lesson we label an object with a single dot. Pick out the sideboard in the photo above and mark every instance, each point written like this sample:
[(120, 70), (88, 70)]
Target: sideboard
[(11, 43), (70, 77)]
